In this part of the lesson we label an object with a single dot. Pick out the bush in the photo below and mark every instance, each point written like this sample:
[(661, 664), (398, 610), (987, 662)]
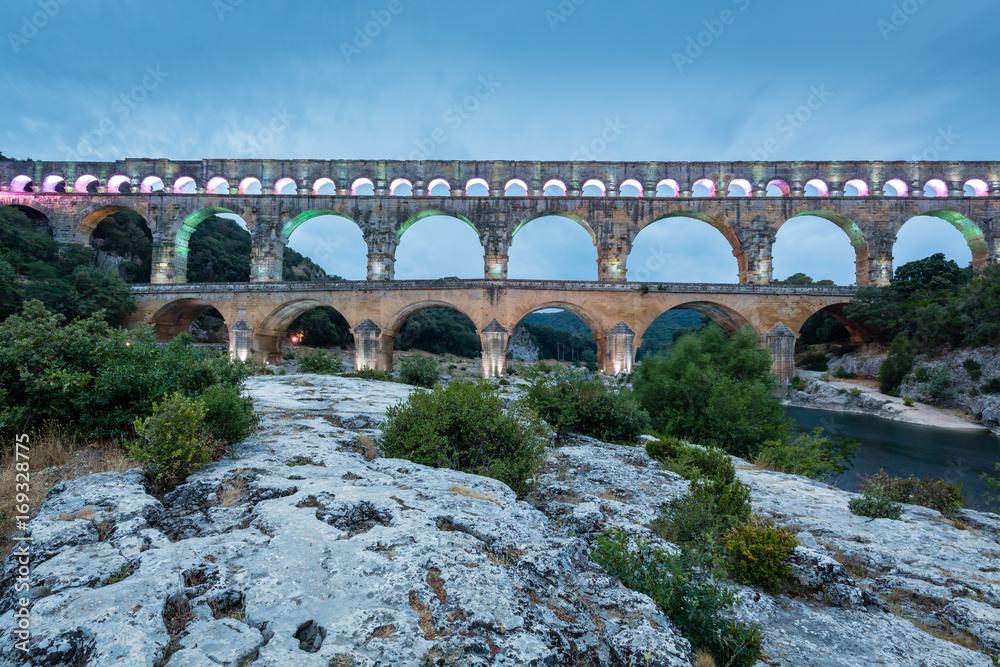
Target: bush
[(318, 360), (991, 386), (700, 519), (371, 374), (896, 366), (843, 373), (229, 415), (692, 462), (875, 507), (932, 493), (697, 603), (938, 382), (759, 554), (465, 426), (577, 404), (419, 370), (810, 454), (908, 402), (814, 361), (173, 440)]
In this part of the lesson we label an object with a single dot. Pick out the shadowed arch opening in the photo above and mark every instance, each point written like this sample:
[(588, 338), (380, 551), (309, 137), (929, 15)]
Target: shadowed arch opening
[(551, 246), (86, 183), (727, 318), (123, 243), (554, 333), (306, 323), (22, 183), (36, 216), (925, 235), (120, 184), (829, 326), (151, 184), (437, 328), (684, 249), (325, 238), (55, 183), (215, 246), (445, 244), (183, 315)]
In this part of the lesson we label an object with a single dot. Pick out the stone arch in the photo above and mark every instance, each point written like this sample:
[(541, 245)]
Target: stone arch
[(562, 214), (120, 184), (390, 332), (89, 222), (727, 318), (970, 230), (430, 213), (295, 222), (176, 317), (592, 321), (862, 253), (272, 329), (717, 223), (860, 335)]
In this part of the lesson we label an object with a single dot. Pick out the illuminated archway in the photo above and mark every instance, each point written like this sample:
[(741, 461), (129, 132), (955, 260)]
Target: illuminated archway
[(810, 244), (329, 238), (925, 235), (444, 244), (685, 246)]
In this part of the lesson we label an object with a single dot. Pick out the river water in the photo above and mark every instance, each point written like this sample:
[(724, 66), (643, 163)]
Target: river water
[(901, 449)]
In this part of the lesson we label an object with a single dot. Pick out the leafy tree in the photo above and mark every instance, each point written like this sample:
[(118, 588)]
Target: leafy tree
[(713, 390), (125, 234), (802, 279)]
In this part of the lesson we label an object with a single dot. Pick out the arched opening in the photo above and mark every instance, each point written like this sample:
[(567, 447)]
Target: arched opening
[(668, 188), (122, 241), (515, 188), (630, 188), (439, 188), (935, 188), (704, 187), (810, 242), (594, 188), (401, 188), (778, 188), (740, 187), (934, 232), (250, 186), (438, 244), (477, 187), (976, 187), (324, 186), (554, 188), (808, 249), (120, 184), (285, 186), (552, 246), (319, 326), (217, 246), (817, 188), (86, 184), (895, 188), (363, 187), (199, 318), (55, 183), (151, 184), (185, 185), (552, 334), (856, 188), (440, 330), (22, 184), (217, 186), (322, 244), (827, 334), (667, 328), (685, 247)]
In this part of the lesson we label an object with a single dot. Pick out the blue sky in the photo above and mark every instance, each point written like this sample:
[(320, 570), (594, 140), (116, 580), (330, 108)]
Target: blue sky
[(215, 73)]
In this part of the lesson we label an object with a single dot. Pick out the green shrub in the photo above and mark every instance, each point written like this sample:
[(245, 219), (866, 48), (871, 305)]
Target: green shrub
[(577, 404), (935, 494), (699, 519), (907, 401), (798, 384), (466, 426), (699, 604), (419, 370), (229, 415), (843, 373), (875, 507), (991, 386), (896, 365), (854, 392), (973, 368), (759, 554), (814, 361), (318, 360), (938, 382), (371, 374), (692, 462), (173, 440), (810, 454)]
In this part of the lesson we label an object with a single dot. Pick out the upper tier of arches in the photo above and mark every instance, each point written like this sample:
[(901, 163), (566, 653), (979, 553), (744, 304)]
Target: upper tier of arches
[(497, 179)]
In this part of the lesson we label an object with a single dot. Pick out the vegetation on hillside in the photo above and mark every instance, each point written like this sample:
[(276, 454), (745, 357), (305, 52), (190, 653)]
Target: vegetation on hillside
[(125, 234), (440, 331)]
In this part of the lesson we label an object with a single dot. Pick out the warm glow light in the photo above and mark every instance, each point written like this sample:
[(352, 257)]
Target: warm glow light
[(362, 183), (151, 184), (781, 186), (630, 183)]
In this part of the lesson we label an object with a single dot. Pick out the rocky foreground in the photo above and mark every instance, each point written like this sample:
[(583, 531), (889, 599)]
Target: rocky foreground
[(301, 552)]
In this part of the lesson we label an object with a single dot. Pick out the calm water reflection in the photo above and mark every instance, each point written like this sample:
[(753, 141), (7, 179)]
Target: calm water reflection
[(903, 449)]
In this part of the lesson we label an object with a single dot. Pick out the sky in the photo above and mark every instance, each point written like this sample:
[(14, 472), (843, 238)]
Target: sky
[(196, 79)]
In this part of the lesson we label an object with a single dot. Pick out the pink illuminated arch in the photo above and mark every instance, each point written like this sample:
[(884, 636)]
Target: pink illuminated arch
[(21, 184), (282, 184), (397, 185), (937, 186), (480, 185), (324, 183), (215, 183), (438, 182), (151, 184), (978, 187), (85, 183), (662, 186), (557, 184), (250, 186), (116, 183), (778, 188), (184, 185), (819, 187), (898, 187), (362, 184), (706, 183), (626, 188), (594, 183), (740, 187), (515, 183), (54, 183), (858, 185)]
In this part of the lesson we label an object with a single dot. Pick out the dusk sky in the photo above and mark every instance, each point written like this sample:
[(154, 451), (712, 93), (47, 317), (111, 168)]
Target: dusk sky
[(902, 81)]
